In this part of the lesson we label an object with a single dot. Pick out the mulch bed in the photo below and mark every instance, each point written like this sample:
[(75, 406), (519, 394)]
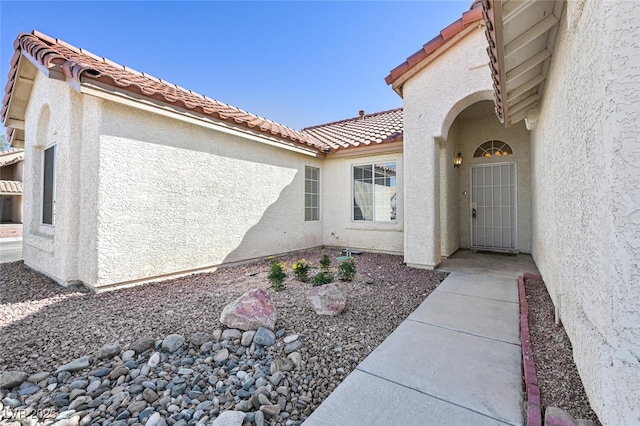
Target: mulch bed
[(560, 384)]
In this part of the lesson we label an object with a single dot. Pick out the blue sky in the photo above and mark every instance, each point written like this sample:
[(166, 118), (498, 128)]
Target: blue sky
[(298, 63)]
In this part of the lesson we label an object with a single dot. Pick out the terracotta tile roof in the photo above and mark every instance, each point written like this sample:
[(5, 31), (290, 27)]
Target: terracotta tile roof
[(468, 18), (11, 156), (79, 66), (364, 130), (10, 187)]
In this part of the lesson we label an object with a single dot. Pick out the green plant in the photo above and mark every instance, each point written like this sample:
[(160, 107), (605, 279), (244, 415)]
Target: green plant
[(347, 270), (301, 270), (321, 278), (325, 262), (277, 274)]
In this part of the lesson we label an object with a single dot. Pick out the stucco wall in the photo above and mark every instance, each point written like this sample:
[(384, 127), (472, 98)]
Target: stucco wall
[(56, 115), (449, 190), (586, 203), (175, 197), (338, 227), (432, 99), (472, 132)]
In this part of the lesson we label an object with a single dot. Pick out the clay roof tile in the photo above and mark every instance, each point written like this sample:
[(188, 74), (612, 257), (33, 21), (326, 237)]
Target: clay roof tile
[(468, 18), (377, 128)]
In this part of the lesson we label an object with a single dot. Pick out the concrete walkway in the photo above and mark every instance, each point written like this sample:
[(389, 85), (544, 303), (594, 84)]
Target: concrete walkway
[(455, 360)]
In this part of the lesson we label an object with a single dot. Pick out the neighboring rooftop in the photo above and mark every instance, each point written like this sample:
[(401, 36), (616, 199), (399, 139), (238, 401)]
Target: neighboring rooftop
[(447, 38), (364, 130), (11, 156), (10, 187)]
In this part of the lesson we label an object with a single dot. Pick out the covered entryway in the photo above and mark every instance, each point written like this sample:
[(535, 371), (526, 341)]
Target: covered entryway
[(493, 215)]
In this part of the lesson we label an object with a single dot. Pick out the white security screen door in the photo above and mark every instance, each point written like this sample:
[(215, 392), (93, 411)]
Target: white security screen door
[(493, 207)]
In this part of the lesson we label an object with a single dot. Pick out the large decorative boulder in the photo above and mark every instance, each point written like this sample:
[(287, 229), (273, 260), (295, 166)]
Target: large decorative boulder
[(327, 299), (250, 311)]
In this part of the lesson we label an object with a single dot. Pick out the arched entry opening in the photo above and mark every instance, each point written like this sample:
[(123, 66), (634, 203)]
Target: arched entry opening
[(492, 184)]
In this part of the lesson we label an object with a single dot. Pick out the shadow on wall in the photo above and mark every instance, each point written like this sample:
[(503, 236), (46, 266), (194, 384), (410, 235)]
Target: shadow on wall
[(281, 228)]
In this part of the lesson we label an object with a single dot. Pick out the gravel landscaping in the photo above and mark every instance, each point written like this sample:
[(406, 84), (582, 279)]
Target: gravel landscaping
[(560, 384), (44, 327)]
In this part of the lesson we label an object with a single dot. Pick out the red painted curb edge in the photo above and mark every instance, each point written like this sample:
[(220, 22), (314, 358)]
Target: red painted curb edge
[(534, 411)]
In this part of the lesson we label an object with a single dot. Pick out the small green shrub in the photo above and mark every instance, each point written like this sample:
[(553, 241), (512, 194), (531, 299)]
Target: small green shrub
[(321, 278), (277, 275), (301, 270), (347, 270), (325, 262)]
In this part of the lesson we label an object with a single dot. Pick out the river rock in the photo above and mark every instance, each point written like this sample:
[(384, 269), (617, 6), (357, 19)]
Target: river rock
[(108, 351), (38, 377), (154, 360), (199, 338), (142, 344), (231, 334), (252, 310), (156, 420), (247, 337), (327, 299), (230, 418), (172, 342), (264, 337), (10, 379), (75, 365)]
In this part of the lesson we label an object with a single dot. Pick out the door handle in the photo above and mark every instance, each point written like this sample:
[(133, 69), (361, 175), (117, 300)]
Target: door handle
[(473, 213)]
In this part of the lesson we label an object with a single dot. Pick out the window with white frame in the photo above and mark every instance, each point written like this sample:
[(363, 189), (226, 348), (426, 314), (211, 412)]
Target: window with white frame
[(311, 193), (48, 185), (374, 192)]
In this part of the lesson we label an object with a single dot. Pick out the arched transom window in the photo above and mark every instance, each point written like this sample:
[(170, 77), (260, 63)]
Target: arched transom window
[(493, 149)]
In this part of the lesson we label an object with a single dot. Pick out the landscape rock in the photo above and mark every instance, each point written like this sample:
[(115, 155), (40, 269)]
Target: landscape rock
[(75, 365), (199, 338), (38, 377), (293, 347), (252, 310), (231, 334), (328, 299), (247, 337), (230, 418), (264, 337), (154, 360), (10, 379), (142, 344), (172, 342), (108, 351), (156, 420)]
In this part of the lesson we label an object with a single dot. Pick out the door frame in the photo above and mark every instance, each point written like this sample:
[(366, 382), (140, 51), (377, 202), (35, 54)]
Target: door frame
[(515, 207)]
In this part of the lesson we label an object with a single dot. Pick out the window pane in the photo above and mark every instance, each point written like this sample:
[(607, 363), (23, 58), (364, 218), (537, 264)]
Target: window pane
[(311, 193), (385, 192), (374, 192), (48, 185)]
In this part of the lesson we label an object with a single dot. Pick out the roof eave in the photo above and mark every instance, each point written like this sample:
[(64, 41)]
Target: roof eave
[(521, 39)]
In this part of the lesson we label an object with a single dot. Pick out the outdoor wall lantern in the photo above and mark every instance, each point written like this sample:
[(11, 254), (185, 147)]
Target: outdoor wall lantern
[(458, 160)]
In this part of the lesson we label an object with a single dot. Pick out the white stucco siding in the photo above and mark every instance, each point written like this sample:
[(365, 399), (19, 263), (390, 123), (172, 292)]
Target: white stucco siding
[(57, 115), (586, 202), (433, 98), (175, 197), (339, 229)]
